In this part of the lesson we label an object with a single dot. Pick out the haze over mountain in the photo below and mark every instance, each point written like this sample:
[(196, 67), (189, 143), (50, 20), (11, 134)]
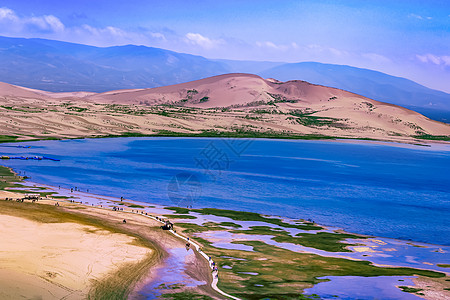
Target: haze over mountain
[(60, 66)]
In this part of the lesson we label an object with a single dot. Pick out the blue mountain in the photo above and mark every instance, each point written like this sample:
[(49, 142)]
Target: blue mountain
[(61, 66)]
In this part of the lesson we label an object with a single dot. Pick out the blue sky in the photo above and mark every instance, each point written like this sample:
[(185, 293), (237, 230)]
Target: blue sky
[(403, 38)]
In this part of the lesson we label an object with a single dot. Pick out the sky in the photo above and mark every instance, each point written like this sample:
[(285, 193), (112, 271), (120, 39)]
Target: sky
[(403, 38)]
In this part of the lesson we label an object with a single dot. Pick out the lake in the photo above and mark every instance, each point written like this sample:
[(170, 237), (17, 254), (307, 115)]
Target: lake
[(381, 189)]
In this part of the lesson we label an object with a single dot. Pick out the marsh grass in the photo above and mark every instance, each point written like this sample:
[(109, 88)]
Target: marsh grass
[(326, 241), (184, 296), (180, 217), (136, 206), (283, 274), (250, 216)]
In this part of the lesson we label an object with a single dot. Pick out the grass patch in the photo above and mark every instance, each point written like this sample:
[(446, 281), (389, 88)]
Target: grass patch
[(331, 242), (443, 265), (194, 228), (178, 210), (408, 289), (230, 224), (136, 206), (432, 137), (284, 274), (184, 296), (62, 197), (8, 138), (180, 216), (250, 216)]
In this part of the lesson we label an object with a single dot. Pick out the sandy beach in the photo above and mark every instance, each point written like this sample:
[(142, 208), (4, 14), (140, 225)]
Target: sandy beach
[(60, 260), (71, 259)]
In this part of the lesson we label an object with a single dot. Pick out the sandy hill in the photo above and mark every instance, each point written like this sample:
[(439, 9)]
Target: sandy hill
[(7, 89), (220, 91), (236, 103)]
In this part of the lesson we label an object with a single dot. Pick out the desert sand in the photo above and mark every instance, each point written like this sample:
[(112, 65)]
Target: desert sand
[(58, 260), (231, 103), (51, 259)]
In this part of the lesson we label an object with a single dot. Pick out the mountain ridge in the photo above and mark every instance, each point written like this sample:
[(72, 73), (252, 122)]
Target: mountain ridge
[(66, 67)]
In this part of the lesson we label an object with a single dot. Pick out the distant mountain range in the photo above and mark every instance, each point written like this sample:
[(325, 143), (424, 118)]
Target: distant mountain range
[(59, 66)]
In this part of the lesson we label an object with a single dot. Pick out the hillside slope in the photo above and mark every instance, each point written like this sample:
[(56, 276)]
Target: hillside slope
[(242, 105), (372, 84)]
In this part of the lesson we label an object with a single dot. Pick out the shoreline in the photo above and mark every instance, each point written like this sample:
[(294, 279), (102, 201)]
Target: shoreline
[(410, 141), (103, 211), (90, 195), (107, 202), (105, 207)]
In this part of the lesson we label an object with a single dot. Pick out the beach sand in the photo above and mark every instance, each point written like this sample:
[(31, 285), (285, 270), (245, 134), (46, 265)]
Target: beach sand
[(54, 259), (59, 260)]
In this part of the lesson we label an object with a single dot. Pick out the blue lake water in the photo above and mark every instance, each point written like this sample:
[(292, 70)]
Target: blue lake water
[(378, 189)]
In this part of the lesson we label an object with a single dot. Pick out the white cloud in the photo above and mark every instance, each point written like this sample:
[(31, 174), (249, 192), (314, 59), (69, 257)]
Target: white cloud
[(419, 17), (202, 41), (378, 58), (324, 49), (11, 23), (434, 59), (279, 47), (7, 14), (157, 35), (45, 23)]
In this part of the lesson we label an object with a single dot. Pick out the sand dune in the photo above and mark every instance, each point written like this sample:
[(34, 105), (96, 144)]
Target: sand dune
[(58, 260), (229, 103)]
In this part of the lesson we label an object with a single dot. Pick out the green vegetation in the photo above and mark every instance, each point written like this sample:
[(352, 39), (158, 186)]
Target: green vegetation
[(178, 210), (283, 273), (180, 216), (8, 138), (77, 109), (62, 197), (306, 119), (136, 206), (326, 241), (230, 224), (443, 265), (184, 296), (280, 273), (194, 228), (240, 133), (432, 137), (8, 179), (278, 98), (250, 216), (204, 99), (408, 289)]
